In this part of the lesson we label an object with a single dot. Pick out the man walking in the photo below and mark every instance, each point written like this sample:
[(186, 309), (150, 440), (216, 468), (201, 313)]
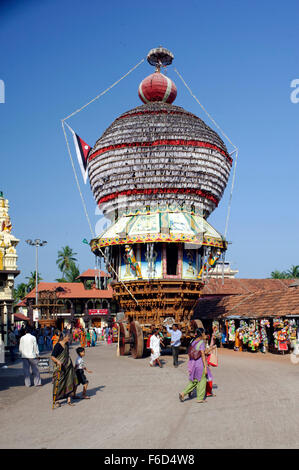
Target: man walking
[(155, 347), (107, 333), (175, 342), (12, 343), (30, 353)]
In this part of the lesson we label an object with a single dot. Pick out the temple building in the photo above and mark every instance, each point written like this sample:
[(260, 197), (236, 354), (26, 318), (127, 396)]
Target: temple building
[(8, 267), (223, 270), (87, 302)]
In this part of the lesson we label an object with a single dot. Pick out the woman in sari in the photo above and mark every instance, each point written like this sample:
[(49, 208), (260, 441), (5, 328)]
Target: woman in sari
[(197, 367), (82, 338), (64, 377), (88, 338), (93, 338), (209, 349), (55, 338)]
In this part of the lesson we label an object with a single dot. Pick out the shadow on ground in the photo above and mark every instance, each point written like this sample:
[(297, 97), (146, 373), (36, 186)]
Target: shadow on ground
[(93, 391), (18, 381)]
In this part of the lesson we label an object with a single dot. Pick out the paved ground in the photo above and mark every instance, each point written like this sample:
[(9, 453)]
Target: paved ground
[(135, 406)]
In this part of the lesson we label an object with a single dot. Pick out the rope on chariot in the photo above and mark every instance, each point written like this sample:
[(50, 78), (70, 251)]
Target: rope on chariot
[(74, 169), (105, 91), (227, 138)]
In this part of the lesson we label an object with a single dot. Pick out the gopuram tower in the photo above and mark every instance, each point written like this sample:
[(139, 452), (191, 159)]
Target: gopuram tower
[(157, 173), (8, 266)]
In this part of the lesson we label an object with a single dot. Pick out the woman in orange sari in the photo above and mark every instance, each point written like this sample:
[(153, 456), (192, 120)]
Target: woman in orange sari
[(55, 338), (238, 342), (82, 338)]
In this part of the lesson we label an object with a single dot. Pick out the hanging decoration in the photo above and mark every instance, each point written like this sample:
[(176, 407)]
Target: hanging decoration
[(264, 324), (213, 257), (216, 330), (231, 330), (130, 257), (282, 334)]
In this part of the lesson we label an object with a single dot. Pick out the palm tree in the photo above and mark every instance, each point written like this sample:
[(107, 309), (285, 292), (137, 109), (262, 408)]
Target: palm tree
[(293, 272), (278, 274), (20, 291), (60, 279), (32, 280), (71, 274), (66, 256)]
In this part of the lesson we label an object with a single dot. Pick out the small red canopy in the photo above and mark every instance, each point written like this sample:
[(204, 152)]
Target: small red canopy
[(20, 317)]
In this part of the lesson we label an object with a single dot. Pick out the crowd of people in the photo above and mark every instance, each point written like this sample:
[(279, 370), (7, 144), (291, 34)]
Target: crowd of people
[(67, 377), (32, 342), (46, 339), (89, 337)]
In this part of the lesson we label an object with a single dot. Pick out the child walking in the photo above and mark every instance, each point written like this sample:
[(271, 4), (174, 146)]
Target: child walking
[(80, 367)]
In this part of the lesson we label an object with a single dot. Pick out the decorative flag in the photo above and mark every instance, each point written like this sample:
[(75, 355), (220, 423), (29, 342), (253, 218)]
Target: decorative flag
[(82, 151)]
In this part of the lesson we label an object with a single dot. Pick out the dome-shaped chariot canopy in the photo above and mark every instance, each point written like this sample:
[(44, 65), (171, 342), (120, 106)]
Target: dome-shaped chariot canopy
[(162, 154)]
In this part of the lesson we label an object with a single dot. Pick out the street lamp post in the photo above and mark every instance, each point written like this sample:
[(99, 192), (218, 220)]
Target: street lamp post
[(37, 242)]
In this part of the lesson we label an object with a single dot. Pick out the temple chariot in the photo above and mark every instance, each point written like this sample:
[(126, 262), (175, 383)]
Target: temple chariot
[(157, 173)]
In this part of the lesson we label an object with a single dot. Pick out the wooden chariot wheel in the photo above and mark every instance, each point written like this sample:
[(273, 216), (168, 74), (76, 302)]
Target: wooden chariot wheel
[(124, 337), (136, 340)]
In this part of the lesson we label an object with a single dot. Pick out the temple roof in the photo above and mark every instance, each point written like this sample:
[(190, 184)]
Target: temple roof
[(264, 298), (71, 290), (92, 273), (235, 286)]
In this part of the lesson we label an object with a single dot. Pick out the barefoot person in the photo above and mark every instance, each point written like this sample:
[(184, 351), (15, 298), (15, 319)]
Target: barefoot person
[(64, 377), (197, 367), (175, 342), (155, 347), (80, 367), (209, 350)]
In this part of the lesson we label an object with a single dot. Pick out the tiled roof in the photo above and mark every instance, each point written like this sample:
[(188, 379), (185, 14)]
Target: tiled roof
[(214, 286), (20, 317), (250, 305), (72, 290), (93, 273)]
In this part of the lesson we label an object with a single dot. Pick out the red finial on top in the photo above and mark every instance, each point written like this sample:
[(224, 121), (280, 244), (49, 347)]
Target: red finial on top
[(158, 87)]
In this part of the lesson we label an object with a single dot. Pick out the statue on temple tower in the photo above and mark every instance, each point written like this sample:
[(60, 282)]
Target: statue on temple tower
[(8, 242)]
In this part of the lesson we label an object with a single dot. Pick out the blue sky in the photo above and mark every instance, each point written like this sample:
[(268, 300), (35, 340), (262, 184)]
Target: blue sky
[(239, 58)]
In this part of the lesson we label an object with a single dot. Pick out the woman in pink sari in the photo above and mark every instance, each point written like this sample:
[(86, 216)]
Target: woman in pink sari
[(209, 349), (197, 367)]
